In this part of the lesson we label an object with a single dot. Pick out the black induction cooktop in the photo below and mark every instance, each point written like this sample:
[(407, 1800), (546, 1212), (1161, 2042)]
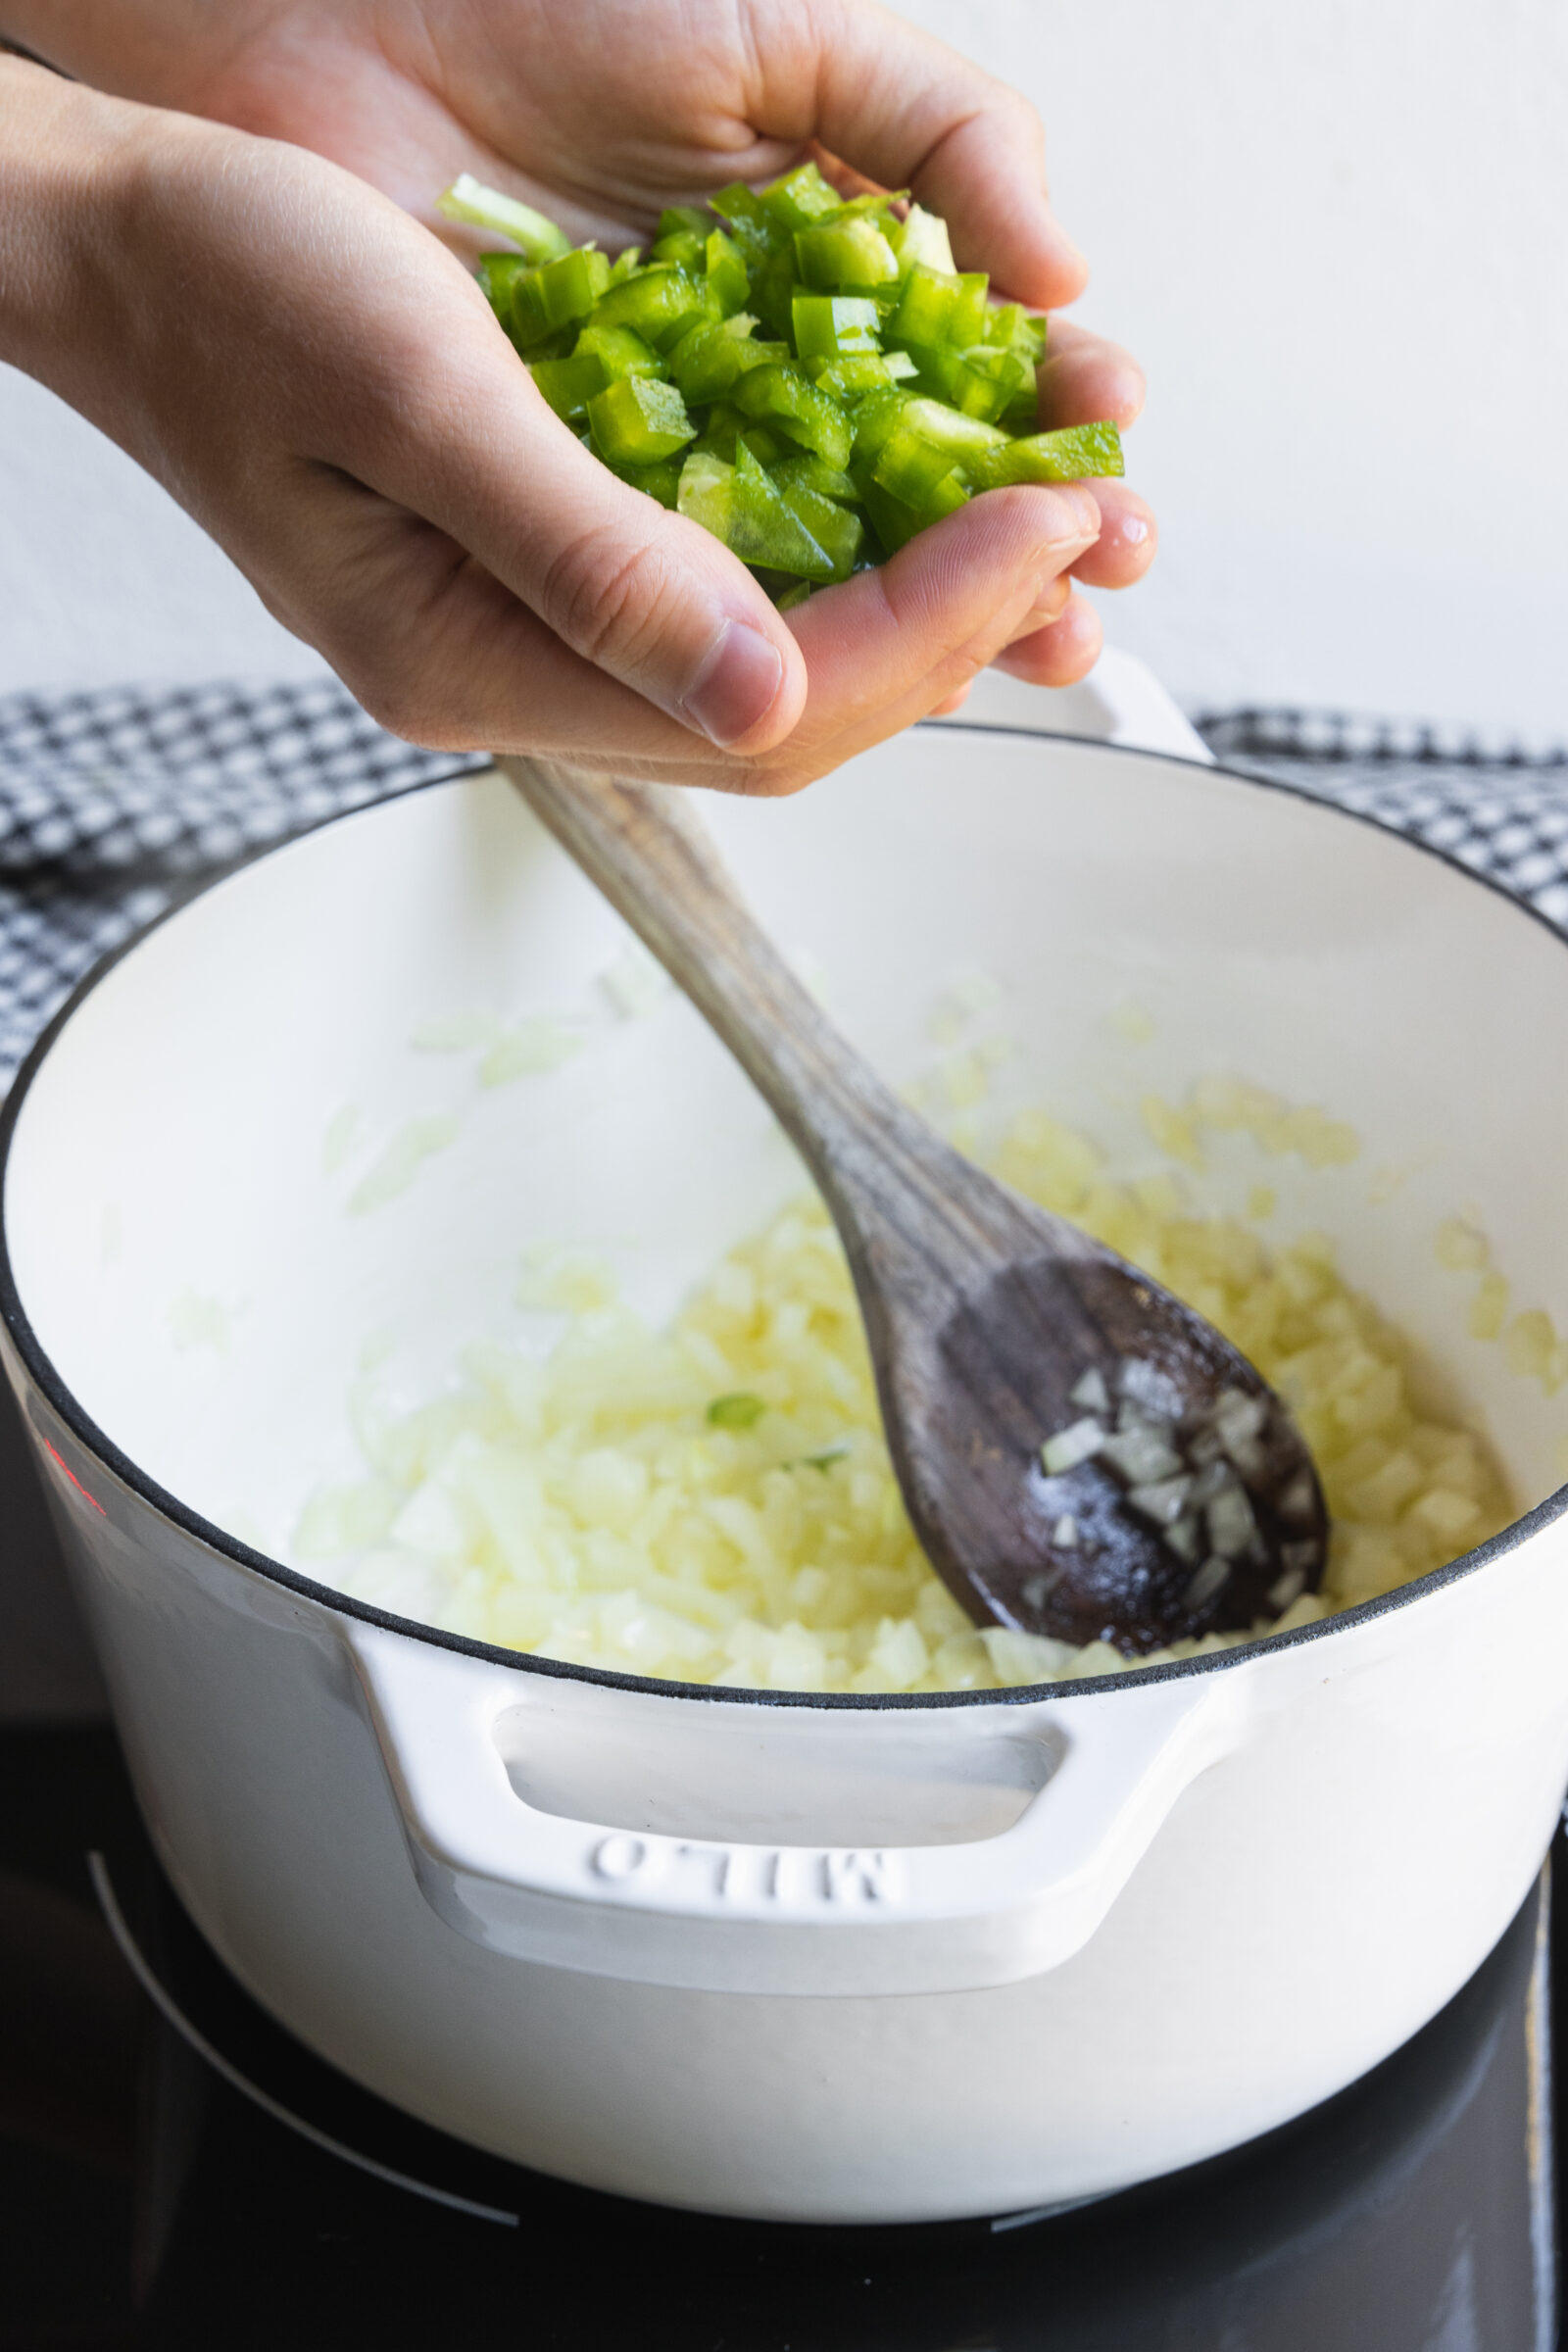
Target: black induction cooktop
[(175, 2169)]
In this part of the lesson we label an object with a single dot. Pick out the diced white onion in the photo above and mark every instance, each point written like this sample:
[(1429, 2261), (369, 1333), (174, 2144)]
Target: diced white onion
[(1231, 1527), (1298, 1505), (1183, 1538), (1064, 1534), (1163, 1502), (1090, 1391), (1141, 1457), (1070, 1447), (1210, 1579)]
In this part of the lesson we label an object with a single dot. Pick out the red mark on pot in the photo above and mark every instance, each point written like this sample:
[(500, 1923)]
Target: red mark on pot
[(63, 1467)]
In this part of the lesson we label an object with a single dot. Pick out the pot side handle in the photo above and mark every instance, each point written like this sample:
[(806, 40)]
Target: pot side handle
[(720, 1917)]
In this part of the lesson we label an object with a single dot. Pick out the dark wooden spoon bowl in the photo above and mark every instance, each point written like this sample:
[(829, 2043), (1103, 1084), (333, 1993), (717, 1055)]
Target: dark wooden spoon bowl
[(1183, 1499)]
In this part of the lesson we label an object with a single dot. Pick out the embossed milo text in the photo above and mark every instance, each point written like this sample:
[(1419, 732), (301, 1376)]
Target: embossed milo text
[(794, 1877)]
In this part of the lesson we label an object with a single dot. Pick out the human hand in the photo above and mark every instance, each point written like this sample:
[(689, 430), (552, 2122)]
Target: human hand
[(368, 449)]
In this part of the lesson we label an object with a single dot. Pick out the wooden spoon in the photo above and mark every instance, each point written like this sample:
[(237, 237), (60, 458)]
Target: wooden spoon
[(994, 1326)]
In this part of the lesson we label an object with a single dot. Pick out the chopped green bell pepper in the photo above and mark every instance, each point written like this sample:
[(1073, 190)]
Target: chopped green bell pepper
[(661, 481), (498, 273), (922, 238), (469, 201), (853, 379), (802, 197), (1017, 330), (623, 352), (836, 529), (1076, 453), (683, 250), (982, 382), (709, 360), (845, 255), (545, 299), (660, 304), (725, 269), (570, 384), (935, 309), (831, 481), (638, 421), (834, 327), (815, 382), (749, 514), (760, 234), (782, 397)]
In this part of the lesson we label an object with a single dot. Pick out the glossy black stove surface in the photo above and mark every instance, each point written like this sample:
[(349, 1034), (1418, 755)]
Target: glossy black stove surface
[(176, 2170)]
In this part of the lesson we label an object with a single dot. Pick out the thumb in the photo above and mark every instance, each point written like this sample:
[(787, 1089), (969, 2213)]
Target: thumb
[(649, 597)]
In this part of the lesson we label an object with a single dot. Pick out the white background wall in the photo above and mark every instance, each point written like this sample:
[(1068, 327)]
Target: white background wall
[(1335, 235)]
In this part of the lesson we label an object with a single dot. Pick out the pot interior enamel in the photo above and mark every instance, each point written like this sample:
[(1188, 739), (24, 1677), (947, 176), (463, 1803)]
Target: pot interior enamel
[(184, 1201)]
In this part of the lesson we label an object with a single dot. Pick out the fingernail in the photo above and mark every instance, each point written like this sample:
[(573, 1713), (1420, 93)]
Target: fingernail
[(736, 684), (1068, 534)]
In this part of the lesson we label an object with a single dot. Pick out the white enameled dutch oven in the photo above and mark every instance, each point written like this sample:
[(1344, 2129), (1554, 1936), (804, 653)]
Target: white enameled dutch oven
[(845, 1959)]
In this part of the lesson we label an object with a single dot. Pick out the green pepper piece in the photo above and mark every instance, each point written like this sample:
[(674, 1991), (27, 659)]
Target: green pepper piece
[(896, 524), (625, 265), (749, 513), (910, 466), (1017, 330), (545, 299), (844, 255), (709, 360), (661, 481), (935, 310), (683, 250), (830, 481), (766, 447), (837, 530), (964, 438), (834, 327), (924, 312), (498, 273), (901, 365), (570, 384), (469, 201), (623, 352), (802, 197), (741, 1411), (725, 268), (772, 292), (980, 381), (1075, 452), (659, 304), (853, 379), (876, 416), (638, 421), (782, 396), (797, 595), (694, 218), (706, 362), (760, 234), (921, 238)]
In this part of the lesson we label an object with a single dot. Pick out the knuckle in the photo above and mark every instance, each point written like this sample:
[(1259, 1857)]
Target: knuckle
[(611, 601)]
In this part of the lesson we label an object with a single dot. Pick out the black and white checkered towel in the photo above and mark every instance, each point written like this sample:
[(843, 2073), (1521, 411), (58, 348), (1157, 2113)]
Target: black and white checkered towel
[(114, 803)]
